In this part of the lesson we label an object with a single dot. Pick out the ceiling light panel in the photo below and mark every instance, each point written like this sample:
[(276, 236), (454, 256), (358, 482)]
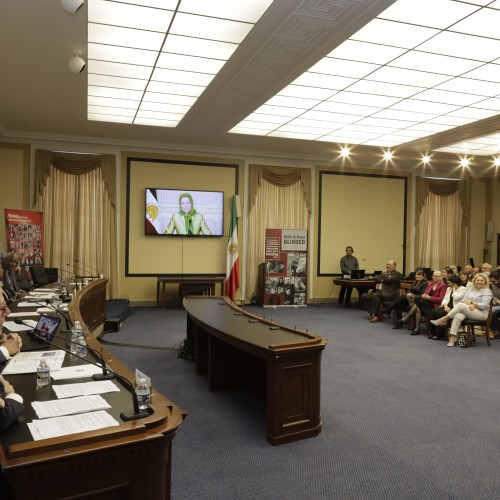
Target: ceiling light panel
[(437, 69), (167, 50)]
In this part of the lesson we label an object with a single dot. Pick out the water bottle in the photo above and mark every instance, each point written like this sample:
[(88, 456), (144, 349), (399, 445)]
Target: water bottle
[(142, 393), (76, 331), (42, 374), (81, 346)]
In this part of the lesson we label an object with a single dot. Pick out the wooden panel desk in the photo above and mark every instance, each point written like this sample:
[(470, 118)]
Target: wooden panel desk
[(188, 285), (281, 364), (132, 460), (361, 286)]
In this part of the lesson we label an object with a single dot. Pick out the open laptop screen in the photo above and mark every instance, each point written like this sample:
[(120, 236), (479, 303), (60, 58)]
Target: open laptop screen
[(357, 274), (47, 327)]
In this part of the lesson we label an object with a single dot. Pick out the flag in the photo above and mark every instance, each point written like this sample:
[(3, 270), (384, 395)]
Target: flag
[(232, 262)]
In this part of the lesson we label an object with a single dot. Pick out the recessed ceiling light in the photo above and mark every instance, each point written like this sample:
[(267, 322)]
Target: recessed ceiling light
[(388, 155), (344, 152)]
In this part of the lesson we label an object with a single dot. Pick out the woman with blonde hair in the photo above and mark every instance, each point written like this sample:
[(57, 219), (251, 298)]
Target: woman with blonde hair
[(475, 305)]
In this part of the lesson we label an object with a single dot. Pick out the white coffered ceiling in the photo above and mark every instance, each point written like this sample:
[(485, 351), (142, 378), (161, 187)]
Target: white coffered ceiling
[(304, 77)]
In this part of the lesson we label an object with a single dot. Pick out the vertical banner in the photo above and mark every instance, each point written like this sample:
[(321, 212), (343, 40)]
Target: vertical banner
[(24, 231), (286, 267)]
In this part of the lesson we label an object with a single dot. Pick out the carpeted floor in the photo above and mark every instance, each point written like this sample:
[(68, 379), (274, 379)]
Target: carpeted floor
[(403, 417)]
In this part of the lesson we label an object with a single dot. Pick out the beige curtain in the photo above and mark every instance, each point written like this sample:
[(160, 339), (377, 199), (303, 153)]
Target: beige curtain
[(440, 231), (77, 195), (283, 203)]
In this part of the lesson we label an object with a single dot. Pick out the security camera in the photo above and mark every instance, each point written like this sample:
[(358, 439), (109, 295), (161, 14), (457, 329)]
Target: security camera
[(76, 65), (71, 6)]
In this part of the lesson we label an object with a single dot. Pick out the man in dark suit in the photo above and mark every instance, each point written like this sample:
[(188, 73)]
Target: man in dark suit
[(11, 404), (10, 285), (386, 290)]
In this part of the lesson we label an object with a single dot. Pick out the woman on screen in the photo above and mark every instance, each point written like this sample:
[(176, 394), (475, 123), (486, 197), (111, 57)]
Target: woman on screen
[(187, 220)]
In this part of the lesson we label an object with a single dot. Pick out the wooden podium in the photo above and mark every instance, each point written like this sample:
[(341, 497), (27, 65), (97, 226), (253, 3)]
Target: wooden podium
[(132, 460)]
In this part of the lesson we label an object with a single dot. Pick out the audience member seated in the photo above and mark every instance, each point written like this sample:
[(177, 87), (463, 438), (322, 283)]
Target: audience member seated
[(469, 270), (464, 278), (454, 295), (9, 264), (23, 280), (454, 268), (475, 305), (386, 291), (403, 302), (495, 311), (431, 299), (486, 268)]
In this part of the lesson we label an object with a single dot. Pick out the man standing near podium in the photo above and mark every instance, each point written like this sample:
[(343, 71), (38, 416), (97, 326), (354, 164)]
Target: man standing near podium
[(348, 263)]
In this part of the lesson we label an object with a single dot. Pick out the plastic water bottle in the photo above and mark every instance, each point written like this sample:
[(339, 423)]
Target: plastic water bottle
[(142, 393), (42, 374), (76, 331), (81, 346)]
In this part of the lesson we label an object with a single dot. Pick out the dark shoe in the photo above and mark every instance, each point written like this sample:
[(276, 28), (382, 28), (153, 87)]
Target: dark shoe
[(435, 337), (374, 319), (399, 324), (415, 332)]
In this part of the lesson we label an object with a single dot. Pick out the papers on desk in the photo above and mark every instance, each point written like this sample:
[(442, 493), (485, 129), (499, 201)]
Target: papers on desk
[(62, 426), (44, 290), (69, 406), (26, 304), (27, 362), (39, 297), (14, 327), (84, 389), (45, 310), (22, 314), (71, 372)]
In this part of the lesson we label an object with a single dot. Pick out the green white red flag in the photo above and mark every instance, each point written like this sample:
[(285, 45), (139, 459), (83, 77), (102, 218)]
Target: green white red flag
[(232, 262)]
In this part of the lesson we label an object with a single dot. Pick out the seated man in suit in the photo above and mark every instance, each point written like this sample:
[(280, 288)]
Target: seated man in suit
[(11, 404), (386, 290), (9, 264)]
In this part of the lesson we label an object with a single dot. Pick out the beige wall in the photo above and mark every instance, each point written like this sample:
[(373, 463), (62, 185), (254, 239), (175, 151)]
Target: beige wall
[(15, 181), (484, 206)]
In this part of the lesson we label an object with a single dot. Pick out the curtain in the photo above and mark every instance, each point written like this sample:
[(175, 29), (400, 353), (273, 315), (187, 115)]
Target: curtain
[(77, 195), (440, 231), (279, 204)]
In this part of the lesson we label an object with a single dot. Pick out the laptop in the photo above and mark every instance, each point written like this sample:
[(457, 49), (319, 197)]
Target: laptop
[(46, 328), (357, 274)]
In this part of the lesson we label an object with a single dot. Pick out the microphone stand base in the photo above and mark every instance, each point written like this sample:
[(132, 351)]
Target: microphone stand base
[(132, 415), (102, 376)]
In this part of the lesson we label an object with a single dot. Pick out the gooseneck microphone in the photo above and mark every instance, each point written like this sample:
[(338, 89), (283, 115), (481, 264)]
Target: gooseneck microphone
[(92, 269), (107, 374)]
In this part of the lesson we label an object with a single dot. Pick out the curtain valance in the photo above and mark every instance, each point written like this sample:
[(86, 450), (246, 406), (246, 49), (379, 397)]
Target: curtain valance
[(75, 164), (281, 177), (440, 187)]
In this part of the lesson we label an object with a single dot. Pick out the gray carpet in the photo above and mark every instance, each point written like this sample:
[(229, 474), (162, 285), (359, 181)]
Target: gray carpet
[(403, 417)]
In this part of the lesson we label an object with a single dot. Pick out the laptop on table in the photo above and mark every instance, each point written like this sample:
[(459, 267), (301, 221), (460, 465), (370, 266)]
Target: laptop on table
[(357, 274), (46, 328)]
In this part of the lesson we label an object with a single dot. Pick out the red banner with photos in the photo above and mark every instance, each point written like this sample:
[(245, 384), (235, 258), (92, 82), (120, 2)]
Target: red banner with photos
[(286, 267), (24, 235)]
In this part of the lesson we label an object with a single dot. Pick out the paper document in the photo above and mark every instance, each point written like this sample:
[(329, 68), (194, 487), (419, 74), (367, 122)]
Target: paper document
[(14, 327), (23, 314), (27, 362), (71, 372), (69, 406), (45, 310), (84, 389), (45, 290), (26, 304), (62, 426)]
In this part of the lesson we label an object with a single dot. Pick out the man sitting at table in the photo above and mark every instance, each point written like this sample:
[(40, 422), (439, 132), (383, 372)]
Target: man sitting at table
[(11, 404), (386, 290)]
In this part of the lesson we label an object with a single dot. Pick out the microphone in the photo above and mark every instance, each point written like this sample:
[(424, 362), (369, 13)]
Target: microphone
[(69, 323), (89, 267), (107, 374), (74, 274)]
